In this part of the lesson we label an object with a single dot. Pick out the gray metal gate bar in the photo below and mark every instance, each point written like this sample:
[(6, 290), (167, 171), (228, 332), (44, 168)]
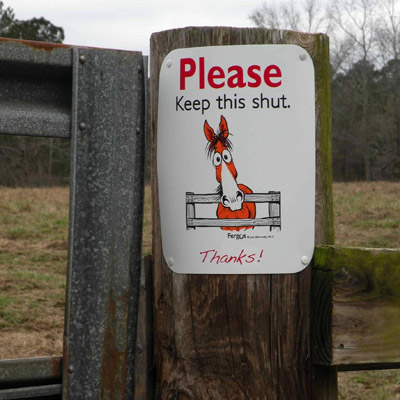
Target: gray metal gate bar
[(29, 392), (105, 223), (33, 370), (35, 89)]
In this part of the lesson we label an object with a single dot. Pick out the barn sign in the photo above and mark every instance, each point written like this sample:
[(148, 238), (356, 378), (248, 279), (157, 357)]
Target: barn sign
[(236, 159)]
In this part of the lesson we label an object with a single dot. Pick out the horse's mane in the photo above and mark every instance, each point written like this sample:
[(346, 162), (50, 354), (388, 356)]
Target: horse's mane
[(210, 147)]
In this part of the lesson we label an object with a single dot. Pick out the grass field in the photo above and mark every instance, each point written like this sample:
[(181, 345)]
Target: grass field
[(367, 214), (33, 253), (33, 257)]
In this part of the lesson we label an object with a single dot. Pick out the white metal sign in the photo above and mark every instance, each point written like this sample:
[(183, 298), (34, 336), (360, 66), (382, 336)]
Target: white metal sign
[(236, 159)]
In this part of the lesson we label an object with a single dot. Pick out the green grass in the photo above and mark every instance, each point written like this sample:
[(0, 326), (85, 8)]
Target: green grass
[(367, 214), (8, 317), (33, 257), (369, 385)]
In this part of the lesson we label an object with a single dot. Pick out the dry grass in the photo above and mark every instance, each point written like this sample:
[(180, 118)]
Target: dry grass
[(369, 385), (33, 254), (367, 214), (33, 257), (147, 236)]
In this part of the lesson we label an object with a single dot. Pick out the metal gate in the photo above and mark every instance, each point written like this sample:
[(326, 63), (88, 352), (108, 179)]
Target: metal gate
[(96, 98)]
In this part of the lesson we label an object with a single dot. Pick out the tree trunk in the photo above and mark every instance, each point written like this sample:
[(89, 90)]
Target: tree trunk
[(240, 336), (365, 127), (50, 165)]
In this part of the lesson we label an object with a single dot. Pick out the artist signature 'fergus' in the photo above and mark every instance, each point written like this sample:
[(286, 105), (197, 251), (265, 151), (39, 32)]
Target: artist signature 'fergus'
[(237, 236)]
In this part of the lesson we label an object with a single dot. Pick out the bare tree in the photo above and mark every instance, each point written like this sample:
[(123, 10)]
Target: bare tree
[(357, 22), (388, 30), (308, 16), (266, 17), (341, 52), (356, 19)]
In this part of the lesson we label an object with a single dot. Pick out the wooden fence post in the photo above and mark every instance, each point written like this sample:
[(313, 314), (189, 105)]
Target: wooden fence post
[(240, 336)]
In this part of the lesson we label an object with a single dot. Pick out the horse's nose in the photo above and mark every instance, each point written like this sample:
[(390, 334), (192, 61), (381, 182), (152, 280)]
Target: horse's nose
[(233, 202)]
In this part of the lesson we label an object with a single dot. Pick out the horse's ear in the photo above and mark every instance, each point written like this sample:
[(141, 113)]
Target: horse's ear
[(223, 127), (208, 131)]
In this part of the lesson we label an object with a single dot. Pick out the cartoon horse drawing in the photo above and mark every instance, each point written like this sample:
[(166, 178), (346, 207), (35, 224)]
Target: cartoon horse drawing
[(231, 205)]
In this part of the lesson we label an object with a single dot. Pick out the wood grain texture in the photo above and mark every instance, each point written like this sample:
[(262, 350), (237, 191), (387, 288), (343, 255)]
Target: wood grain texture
[(365, 324), (245, 336)]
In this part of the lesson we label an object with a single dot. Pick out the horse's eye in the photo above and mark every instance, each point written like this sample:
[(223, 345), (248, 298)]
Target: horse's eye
[(226, 155), (217, 159)]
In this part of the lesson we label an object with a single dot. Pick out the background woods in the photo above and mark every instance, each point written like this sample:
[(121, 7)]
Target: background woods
[(365, 83), (365, 76)]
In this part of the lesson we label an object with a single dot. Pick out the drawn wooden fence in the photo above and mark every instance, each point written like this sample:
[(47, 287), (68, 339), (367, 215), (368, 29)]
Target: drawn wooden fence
[(199, 337), (272, 221)]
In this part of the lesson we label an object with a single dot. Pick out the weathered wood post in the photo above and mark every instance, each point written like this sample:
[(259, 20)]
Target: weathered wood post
[(240, 336)]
